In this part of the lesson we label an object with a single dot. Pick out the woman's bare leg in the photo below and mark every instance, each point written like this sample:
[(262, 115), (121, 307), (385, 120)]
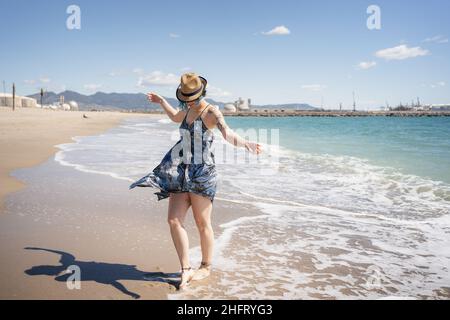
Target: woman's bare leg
[(202, 208), (179, 204)]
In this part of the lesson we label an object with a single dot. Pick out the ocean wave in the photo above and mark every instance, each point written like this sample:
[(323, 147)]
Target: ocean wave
[(342, 182)]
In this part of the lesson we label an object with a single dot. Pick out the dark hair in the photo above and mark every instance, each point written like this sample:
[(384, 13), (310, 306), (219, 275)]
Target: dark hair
[(183, 105)]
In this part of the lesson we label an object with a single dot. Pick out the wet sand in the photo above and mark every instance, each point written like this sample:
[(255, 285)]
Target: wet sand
[(28, 137), (65, 217)]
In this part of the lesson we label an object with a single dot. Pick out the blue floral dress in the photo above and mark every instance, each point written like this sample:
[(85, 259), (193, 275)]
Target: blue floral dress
[(189, 166)]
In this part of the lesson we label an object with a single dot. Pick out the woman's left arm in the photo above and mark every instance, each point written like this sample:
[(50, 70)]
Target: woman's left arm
[(232, 137)]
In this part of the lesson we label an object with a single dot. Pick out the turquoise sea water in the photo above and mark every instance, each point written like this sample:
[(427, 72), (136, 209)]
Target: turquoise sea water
[(419, 146)]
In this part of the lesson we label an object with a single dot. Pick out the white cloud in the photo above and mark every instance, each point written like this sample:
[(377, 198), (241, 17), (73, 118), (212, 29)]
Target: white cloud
[(439, 84), (42, 80), (174, 35), (113, 74), (92, 86), (277, 31), (158, 78), (314, 87), (401, 52), (437, 39), (217, 92), (366, 65)]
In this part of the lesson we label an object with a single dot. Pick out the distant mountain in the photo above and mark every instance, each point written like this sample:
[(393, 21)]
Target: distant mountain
[(134, 101), (103, 101)]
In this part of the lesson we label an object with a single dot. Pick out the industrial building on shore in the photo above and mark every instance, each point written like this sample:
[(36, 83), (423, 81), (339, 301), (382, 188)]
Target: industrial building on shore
[(238, 105), (6, 100)]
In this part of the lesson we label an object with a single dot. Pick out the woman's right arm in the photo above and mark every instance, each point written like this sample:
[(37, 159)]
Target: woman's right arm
[(174, 114)]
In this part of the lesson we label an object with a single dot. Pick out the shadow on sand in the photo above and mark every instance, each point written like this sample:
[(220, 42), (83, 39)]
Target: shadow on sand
[(100, 272)]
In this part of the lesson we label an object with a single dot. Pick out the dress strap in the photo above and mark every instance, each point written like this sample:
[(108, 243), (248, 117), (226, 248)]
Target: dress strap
[(200, 116), (187, 112)]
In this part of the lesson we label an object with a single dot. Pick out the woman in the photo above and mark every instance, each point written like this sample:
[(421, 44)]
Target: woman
[(187, 173)]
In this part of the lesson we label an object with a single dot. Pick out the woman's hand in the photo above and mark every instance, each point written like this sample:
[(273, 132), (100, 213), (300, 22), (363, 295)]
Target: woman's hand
[(174, 114), (155, 98), (253, 147)]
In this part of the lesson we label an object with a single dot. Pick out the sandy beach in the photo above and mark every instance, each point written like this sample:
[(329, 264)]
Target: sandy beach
[(55, 217), (28, 137)]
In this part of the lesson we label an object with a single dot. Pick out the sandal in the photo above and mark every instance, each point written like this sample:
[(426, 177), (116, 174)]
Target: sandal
[(203, 271), (187, 268), (189, 276)]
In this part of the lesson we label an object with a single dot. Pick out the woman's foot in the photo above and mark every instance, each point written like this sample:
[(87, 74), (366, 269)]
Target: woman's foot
[(186, 276), (203, 271)]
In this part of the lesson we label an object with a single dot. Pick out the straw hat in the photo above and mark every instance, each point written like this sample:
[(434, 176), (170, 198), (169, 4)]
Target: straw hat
[(191, 87)]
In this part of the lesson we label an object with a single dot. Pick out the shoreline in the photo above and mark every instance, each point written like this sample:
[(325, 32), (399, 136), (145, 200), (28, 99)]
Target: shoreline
[(114, 235), (20, 147), (65, 217)]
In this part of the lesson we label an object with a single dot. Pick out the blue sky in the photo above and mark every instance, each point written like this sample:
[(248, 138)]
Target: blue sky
[(317, 50)]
